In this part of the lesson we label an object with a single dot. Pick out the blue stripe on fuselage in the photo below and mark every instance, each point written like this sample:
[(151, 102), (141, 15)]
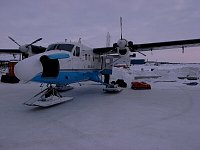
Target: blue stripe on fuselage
[(69, 76), (58, 56)]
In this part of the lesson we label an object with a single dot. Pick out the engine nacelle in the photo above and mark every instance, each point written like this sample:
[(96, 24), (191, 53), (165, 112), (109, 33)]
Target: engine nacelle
[(122, 47), (122, 43), (124, 57), (25, 48), (123, 52)]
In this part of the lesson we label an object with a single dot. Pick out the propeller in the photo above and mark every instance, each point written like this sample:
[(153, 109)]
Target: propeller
[(121, 26), (122, 44), (25, 49)]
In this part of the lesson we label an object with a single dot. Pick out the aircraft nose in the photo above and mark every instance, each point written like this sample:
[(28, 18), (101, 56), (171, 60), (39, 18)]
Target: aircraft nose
[(27, 69)]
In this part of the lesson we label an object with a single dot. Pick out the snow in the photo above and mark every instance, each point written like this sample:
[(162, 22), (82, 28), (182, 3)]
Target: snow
[(165, 72), (163, 118)]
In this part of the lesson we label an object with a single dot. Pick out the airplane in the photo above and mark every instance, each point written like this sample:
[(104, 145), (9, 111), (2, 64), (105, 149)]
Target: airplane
[(73, 62)]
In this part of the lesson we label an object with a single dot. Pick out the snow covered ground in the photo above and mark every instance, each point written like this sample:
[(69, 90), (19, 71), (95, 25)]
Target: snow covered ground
[(163, 118)]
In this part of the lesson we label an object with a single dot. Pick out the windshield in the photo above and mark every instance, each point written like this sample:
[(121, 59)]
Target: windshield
[(66, 47), (51, 47)]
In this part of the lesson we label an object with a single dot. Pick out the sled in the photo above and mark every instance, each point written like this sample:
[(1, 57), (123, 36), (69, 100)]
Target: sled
[(112, 89)]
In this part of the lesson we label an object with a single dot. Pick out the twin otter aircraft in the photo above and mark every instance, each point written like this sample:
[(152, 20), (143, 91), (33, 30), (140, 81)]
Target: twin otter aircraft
[(71, 62)]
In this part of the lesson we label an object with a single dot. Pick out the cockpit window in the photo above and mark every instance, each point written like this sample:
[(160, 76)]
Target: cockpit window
[(51, 47), (66, 47)]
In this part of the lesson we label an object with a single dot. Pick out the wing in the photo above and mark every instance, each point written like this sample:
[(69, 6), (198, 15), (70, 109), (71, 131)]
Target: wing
[(10, 51), (103, 50), (152, 46), (165, 45)]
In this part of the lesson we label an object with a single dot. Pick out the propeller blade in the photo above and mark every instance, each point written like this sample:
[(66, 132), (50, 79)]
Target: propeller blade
[(14, 41), (141, 53), (130, 43), (34, 42), (121, 26)]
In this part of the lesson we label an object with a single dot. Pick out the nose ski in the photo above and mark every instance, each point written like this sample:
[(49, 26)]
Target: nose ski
[(48, 97)]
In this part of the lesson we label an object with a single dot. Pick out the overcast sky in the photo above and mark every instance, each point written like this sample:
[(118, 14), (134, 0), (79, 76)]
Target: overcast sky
[(143, 21)]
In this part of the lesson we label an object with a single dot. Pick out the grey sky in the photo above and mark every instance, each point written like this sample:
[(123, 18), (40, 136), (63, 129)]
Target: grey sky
[(143, 21)]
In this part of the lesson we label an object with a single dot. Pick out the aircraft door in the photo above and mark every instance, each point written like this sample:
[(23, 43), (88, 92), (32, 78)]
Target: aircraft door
[(124, 60), (76, 60), (107, 63)]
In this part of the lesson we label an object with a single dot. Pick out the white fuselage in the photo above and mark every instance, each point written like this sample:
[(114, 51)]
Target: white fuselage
[(82, 64)]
